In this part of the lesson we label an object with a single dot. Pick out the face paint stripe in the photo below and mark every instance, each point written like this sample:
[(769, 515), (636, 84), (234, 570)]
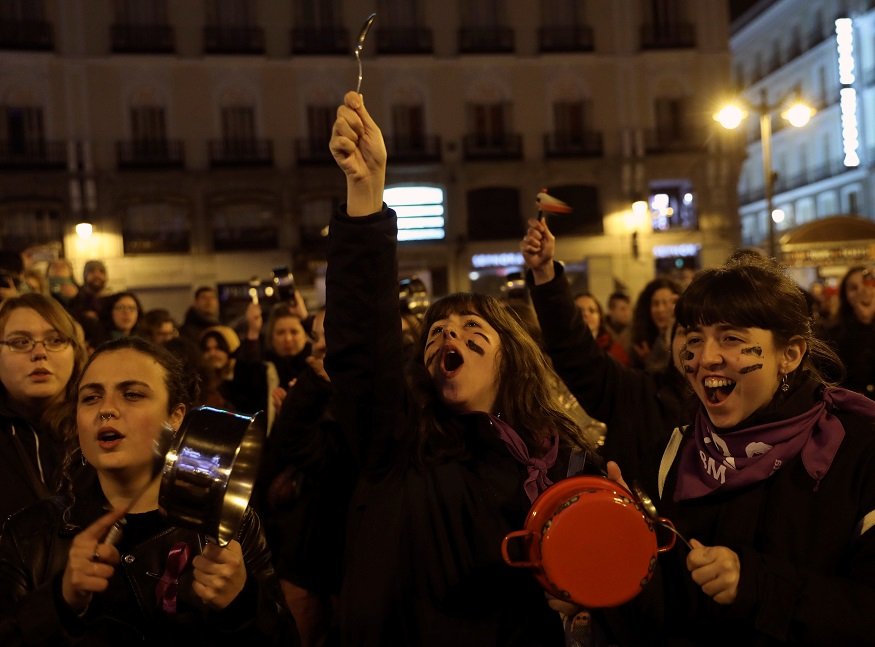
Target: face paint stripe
[(753, 350), (750, 369), (470, 344)]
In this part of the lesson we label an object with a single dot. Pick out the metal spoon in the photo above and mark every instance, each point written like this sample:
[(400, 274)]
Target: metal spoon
[(650, 510), (360, 45)]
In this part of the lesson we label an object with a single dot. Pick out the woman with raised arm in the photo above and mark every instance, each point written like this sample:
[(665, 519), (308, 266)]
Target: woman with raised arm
[(450, 457), (773, 480), (63, 582)]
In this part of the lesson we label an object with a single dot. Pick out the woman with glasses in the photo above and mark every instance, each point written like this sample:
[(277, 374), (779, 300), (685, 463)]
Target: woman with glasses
[(122, 315), (41, 355)]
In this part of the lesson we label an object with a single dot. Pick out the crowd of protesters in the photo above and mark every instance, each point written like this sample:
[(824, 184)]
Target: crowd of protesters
[(404, 444)]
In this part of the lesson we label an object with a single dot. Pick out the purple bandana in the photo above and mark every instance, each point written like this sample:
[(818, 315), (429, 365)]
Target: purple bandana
[(537, 480), (730, 461)]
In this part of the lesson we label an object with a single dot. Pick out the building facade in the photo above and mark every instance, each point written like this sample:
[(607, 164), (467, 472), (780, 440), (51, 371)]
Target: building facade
[(822, 51), (193, 135)]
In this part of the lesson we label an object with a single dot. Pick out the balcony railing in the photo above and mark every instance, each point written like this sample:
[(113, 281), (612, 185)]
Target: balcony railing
[(33, 155), (585, 144), (414, 150), (31, 35), (313, 150), (406, 40), (508, 146), (666, 141), (328, 40), (233, 40), (669, 35), (154, 154), (486, 40), (142, 39), (577, 38), (243, 152)]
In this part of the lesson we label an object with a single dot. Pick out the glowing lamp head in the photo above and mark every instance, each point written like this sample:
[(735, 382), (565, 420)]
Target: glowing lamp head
[(798, 114), (730, 116)]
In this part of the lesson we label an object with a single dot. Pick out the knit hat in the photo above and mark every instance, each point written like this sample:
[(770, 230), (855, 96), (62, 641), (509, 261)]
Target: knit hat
[(227, 333), (93, 265)]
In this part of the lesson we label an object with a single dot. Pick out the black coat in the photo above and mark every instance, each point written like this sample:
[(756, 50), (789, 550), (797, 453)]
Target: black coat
[(423, 564), (33, 554)]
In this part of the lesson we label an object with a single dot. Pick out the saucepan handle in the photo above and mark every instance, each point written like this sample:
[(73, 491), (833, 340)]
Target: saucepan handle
[(672, 535), (527, 536)]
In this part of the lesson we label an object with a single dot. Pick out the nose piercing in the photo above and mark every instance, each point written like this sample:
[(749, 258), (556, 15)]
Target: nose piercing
[(106, 417)]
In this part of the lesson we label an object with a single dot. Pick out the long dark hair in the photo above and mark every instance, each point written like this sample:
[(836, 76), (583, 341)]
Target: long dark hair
[(755, 292), (846, 312), (643, 327), (524, 398)]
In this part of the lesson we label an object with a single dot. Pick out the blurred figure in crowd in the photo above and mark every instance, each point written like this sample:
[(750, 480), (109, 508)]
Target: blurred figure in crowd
[(852, 334), (88, 302), (62, 285), (202, 314), (653, 321), (591, 311), (158, 326), (122, 314), (217, 346)]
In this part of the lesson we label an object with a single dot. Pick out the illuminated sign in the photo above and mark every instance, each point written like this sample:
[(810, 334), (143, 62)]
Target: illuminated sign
[(420, 211), (847, 94), (498, 260), (671, 251)]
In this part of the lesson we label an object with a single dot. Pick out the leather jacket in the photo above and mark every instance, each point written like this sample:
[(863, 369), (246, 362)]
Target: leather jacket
[(33, 553)]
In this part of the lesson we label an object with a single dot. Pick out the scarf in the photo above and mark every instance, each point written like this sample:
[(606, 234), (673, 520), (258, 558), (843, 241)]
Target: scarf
[(726, 462), (168, 586), (537, 480)]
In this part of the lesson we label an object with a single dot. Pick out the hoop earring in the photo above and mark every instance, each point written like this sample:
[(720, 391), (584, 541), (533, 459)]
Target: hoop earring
[(785, 386)]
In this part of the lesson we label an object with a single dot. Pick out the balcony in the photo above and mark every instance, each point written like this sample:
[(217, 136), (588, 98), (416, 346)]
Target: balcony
[(33, 155), (507, 146), (327, 40), (577, 38), (566, 145), (150, 154), (241, 152), (413, 150), (30, 35), (669, 35), (142, 39), (233, 40), (311, 151), (486, 40), (675, 141), (405, 40)]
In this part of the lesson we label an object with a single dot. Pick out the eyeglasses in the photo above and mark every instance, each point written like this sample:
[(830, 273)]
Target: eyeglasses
[(124, 308), (53, 343)]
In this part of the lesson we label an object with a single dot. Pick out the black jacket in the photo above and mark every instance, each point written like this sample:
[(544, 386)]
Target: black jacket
[(33, 553)]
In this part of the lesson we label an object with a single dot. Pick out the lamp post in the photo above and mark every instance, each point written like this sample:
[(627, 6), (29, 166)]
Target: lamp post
[(797, 114)]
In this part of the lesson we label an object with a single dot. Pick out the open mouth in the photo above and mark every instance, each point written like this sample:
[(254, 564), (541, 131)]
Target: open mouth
[(108, 436), (717, 389), (451, 362)]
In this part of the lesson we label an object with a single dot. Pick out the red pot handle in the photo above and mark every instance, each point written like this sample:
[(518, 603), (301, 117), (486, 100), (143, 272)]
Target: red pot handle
[(518, 534), (672, 534)]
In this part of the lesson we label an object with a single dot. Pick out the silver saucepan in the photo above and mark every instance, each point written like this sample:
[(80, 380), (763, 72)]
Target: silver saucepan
[(209, 471)]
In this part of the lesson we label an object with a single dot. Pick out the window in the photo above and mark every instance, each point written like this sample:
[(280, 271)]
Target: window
[(408, 126), (230, 13), (156, 227), (489, 121), (244, 223), (23, 225), (573, 119), (317, 14), (238, 124), (672, 205), (494, 213), (22, 129), (314, 218), (420, 211), (148, 125), (141, 12), (585, 218)]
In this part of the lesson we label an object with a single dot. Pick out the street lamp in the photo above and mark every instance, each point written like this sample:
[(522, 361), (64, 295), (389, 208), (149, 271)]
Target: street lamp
[(796, 113)]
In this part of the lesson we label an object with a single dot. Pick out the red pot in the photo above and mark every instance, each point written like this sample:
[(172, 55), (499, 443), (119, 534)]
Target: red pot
[(589, 542)]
